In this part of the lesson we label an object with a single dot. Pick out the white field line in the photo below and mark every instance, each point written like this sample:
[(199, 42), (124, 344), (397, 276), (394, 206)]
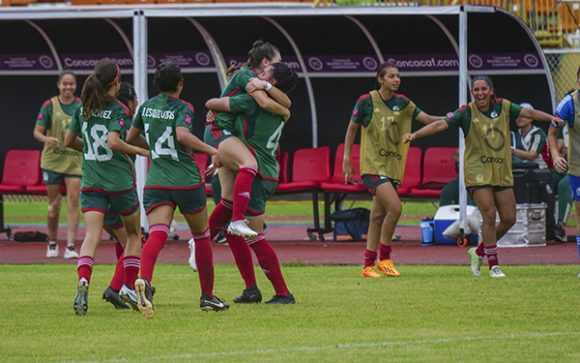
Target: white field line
[(316, 348)]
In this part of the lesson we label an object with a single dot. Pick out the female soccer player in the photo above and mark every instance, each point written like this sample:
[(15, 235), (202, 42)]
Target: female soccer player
[(173, 181), (385, 116), (488, 162), (219, 133), (60, 164), (262, 131), (108, 182), (113, 223)]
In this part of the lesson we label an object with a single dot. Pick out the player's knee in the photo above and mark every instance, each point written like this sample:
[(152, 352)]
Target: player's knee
[(53, 210), (377, 218)]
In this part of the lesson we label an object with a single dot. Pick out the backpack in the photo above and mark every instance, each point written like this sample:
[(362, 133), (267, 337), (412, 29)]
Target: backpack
[(351, 224), (29, 236)]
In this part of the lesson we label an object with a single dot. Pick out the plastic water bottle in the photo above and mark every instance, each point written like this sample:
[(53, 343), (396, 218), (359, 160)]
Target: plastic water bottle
[(427, 231), (578, 244)]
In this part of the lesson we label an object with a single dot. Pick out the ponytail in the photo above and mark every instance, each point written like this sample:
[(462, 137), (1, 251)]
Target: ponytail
[(94, 95), (259, 51)]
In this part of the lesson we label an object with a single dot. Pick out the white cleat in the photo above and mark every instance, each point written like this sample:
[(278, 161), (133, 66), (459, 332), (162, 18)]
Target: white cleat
[(475, 262), (52, 251), (70, 253), (496, 272), (129, 296), (240, 228), (191, 261)]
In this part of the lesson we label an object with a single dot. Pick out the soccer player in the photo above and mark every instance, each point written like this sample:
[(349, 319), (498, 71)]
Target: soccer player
[(173, 181), (219, 133), (113, 223), (60, 164), (528, 141), (108, 182), (488, 162), (385, 117), (567, 109), (261, 130)]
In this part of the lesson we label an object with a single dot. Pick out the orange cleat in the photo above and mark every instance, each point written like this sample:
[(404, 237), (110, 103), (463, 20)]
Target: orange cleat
[(369, 271), (388, 268)]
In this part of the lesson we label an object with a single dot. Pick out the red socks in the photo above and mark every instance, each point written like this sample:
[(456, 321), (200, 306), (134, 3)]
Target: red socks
[(204, 259), (119, 275), (118, 249), (242, 192), (131, 265), (243, 257), (269, 263), (491, 253), (384, 252), (155, 243), (220, 217), (370, 258), (479, 250), (85, 267)]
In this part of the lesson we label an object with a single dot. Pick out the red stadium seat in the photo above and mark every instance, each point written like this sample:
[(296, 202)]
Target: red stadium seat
[(438, 170), (21, 169), (310, 168), (412, 176), (336, 183)]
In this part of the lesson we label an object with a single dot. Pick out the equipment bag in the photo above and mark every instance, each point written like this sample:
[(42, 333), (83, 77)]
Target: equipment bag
[(351, 224)]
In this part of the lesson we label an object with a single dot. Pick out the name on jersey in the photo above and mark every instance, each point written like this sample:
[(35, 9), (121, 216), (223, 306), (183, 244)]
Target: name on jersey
[(106, 114), (156, 113), (390, 154)]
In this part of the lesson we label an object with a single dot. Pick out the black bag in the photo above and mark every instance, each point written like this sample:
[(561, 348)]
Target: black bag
[(29, 236), (351, 224)]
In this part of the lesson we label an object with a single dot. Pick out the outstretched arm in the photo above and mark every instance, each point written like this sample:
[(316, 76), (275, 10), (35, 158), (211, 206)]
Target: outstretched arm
[(426, 119), (185, 137), (542, 116), (116, 143), (135, 137), (431, 129)]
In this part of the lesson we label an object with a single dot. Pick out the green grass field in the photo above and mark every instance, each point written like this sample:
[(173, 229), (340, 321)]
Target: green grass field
[(434, 314)]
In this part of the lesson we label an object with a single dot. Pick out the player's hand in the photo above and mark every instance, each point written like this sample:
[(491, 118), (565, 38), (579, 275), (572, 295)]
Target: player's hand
[(209, 116), (51, 142), (286, 115), (408, 137), (144, 152), (347, 170), (560, 164), (255, 84), (213, 168), (557, 122)]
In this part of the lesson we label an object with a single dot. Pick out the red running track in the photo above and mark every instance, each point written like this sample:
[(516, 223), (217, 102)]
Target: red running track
[(291, 246)]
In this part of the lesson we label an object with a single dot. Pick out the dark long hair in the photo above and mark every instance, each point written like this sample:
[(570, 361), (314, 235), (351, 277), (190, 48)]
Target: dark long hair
[(260, 50), (126, 93), (94, 94), (285, 77)]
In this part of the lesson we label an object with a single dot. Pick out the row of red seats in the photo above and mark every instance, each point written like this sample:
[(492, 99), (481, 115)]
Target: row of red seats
[(311, 173)]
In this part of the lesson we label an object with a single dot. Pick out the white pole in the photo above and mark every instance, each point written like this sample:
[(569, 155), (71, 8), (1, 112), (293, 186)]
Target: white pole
[(463, 76), (140, 80)]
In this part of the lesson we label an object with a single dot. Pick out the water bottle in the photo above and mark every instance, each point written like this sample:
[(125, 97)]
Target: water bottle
[(427, 231), (578, 244)]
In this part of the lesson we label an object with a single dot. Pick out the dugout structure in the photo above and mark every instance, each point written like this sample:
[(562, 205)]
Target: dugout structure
[(335, 50)]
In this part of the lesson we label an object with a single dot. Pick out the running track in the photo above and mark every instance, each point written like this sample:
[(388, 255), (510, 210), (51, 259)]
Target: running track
[(292, 246)]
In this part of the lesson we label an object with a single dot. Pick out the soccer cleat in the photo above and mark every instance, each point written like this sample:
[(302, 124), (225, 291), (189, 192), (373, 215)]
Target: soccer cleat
[(113, 297), (369, 271), (143, 290), (52, 250), (560, 234), (81, 304), (495, 271), (192, 262), (388, 268), (129, 296), (475, 261), (213, 303), (70, 252), (220, 238), (279, 300), (251, 295), (240, 228)]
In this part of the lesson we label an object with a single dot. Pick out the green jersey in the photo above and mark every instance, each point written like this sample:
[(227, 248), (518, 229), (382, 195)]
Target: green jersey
[(534, 140), (104, 170), (44, 117), (362, 112), (172, 164), (462, 116), (237, 85), (261, 130)]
